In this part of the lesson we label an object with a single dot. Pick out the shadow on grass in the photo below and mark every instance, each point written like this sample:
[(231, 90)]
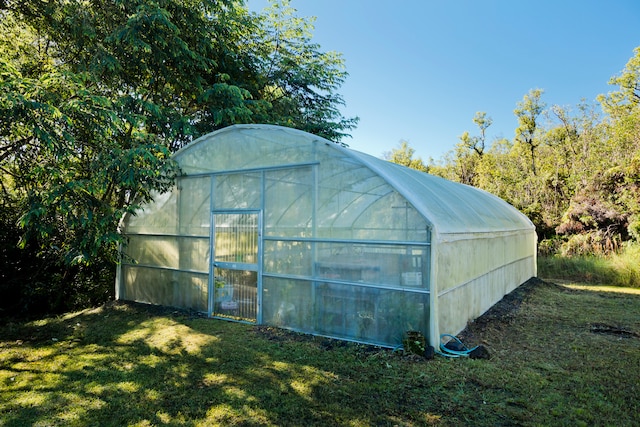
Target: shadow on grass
[(124, 366)]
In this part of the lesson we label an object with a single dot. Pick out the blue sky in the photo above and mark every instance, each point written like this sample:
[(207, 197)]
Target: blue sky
[(419, 70)]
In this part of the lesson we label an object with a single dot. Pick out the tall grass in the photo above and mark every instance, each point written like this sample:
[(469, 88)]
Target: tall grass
[(618, 269)]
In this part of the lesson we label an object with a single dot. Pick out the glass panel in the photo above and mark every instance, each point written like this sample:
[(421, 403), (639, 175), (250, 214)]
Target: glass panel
[(151, 250), (391, 218), (369, 314), (288, 303), (394, 265), (236, 237), (355, 203), (287, 258), (345, 190), (237, 191), (195, 207), (235, 294), (165, 287), (289, 202)]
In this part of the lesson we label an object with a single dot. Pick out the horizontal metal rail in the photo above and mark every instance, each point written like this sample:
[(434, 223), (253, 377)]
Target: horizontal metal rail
[(347, 282)]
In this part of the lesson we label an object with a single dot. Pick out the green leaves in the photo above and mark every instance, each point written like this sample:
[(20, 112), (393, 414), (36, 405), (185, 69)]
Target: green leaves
[(621, 102), (403, 155), (94, 97), (574, 174), (77, 159), (298, 80)]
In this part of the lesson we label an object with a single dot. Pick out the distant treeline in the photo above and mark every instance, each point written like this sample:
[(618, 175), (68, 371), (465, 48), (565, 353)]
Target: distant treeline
[(574, 172)]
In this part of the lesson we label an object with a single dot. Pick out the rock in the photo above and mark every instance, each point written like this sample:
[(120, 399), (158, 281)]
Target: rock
[(480, 352), (455, 346), (429, 352)]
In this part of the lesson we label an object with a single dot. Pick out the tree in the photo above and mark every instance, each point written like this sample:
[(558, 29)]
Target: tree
[(620, 181), (528, 110), (187, 67), (469, 151), (465, 162), (295, 77), (71, 165), (403, 155), (577, 177), (94, 97), (621, 102), (477, 143)]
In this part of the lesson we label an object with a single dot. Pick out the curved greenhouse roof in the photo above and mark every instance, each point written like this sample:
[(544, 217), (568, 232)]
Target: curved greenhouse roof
[(448, 206), (451, 207)]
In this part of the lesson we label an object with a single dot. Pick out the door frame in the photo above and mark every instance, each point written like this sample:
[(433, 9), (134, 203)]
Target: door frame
[(239, 266)]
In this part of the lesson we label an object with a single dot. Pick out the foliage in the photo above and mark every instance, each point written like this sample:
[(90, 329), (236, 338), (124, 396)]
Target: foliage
[(527, 112), (296, 79), (95, 96), (573, 172), (470, 150), (477, 143), (403, 155), (136, 365), (624, 101)]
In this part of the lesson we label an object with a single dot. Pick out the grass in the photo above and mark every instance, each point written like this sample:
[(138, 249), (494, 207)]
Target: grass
[(559, 356), (618, 269)]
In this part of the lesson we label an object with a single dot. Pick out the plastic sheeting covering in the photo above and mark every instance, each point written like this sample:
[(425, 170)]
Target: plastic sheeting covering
[(350, 246)]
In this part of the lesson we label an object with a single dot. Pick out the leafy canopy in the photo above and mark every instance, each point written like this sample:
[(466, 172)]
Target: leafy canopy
[(95, 96), (574, 172)]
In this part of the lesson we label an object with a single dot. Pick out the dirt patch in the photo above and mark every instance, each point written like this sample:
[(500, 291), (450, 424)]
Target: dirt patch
[(504, 311), (153, 310), (279, 335), (601, 328), (284, 335)]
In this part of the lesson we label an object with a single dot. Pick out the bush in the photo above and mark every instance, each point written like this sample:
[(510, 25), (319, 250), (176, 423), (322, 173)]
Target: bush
[(599, 243), (549, 247), (33, 282), (634, 227)]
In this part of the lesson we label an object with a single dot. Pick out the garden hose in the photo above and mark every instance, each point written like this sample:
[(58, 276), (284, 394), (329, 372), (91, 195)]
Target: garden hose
[(448, 352)]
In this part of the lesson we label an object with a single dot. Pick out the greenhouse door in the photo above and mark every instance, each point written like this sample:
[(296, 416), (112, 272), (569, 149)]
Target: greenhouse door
[(234, 287)]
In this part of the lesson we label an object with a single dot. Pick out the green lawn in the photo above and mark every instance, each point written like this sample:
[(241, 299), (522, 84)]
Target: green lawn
[(560, 356)]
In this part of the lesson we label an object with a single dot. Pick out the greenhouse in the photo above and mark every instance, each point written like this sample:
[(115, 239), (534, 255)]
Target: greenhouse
[(276, 226)]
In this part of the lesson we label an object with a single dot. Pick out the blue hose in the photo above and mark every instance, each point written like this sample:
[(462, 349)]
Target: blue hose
[(447, 352)]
